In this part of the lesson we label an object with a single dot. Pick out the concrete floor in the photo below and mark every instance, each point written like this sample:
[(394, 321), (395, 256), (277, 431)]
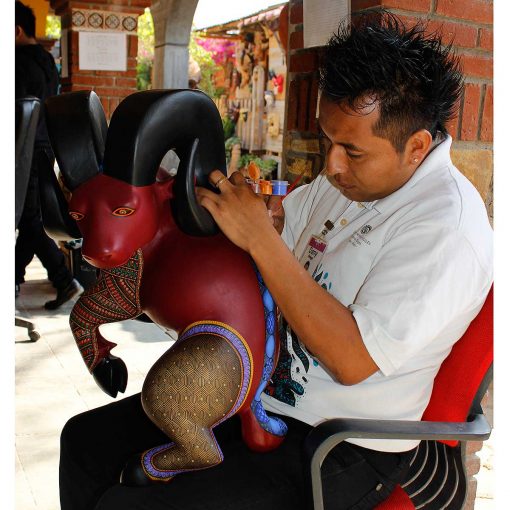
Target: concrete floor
[(52, 384)]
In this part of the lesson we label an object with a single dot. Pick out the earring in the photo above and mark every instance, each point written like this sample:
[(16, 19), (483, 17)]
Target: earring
[(415, 160)]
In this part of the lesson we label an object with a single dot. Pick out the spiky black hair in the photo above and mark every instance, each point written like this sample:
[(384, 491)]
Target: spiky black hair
[(415, 79)]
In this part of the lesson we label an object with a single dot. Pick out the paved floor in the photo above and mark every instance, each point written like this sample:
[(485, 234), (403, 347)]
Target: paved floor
[(52, 384)]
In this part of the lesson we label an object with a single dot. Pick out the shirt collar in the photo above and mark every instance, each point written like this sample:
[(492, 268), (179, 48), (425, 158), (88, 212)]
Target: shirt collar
[(439, 156)]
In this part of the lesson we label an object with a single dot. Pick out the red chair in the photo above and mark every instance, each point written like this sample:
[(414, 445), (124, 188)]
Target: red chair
[(437, 477)]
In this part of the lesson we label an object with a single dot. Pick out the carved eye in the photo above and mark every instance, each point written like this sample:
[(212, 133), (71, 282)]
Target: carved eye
[(77, 216), (123, 211)]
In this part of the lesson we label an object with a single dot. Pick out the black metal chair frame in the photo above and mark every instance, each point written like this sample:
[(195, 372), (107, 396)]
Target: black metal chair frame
[(27, 116)]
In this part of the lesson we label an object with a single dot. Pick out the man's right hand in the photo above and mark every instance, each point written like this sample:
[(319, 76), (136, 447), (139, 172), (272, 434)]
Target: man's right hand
[(276, 212)]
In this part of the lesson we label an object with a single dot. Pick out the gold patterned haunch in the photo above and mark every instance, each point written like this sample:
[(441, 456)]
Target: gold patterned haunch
[(198, 383)]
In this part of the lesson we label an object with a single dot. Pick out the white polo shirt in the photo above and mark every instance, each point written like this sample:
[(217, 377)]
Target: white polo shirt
[(414, 268)]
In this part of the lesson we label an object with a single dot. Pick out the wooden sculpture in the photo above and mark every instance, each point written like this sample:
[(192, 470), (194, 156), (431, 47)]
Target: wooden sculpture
[(160, 253)]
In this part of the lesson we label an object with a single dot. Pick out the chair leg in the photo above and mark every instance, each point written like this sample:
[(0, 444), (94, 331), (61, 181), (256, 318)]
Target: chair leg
[(30, 326)]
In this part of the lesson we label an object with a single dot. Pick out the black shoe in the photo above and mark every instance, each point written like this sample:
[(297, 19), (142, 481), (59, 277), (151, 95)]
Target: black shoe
[(17, 290), (74, 289)]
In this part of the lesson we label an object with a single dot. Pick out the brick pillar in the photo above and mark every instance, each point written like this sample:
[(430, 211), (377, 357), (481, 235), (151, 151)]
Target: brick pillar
[(100, 16), (300, 141), (468, 23)]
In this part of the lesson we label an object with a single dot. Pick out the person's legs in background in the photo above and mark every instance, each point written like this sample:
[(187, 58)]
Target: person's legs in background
[(33, 240)]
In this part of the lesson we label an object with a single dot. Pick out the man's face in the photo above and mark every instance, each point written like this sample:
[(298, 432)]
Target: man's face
[(363, 166)]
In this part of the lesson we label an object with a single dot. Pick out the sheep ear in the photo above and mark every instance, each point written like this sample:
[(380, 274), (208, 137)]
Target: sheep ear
[(146, 125), (77, 129)]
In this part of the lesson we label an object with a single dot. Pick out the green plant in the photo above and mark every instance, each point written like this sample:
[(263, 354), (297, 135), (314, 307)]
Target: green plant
[(143, 75), (145, 57), (229, 127), (53, 27)]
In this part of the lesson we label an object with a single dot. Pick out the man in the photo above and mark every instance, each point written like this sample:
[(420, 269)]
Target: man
[(36, 75), (398, 251)]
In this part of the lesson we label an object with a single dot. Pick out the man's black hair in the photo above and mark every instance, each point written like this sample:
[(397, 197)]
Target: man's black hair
[(415, 79), (25, 18)]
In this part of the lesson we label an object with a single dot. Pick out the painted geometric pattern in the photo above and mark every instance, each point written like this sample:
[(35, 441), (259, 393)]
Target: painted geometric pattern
[(94, 20), (198, 383), (273, 425), (114, 297)]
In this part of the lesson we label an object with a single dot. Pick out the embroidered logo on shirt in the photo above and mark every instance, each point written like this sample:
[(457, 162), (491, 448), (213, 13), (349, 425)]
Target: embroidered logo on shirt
[(359, 237)]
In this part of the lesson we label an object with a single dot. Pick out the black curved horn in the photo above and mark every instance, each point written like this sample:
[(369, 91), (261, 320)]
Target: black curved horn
[(146, 125), (77, 130)]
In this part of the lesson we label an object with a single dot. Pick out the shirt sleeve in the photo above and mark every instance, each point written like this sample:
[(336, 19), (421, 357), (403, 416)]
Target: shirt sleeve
[(425, 282)]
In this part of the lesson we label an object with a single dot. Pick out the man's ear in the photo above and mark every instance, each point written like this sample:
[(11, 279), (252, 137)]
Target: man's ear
[(417, 147), (19, 32)]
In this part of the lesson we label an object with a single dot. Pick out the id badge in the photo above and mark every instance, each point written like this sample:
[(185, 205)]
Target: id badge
[(313, 253)]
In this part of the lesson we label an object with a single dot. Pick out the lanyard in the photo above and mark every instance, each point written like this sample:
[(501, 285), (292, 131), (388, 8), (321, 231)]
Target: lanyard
[(316, 247)]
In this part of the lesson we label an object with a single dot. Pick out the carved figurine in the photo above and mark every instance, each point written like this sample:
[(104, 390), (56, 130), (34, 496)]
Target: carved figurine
[(160, 253)]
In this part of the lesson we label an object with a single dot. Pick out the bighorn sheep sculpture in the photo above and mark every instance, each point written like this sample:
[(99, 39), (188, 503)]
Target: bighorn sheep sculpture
[(160, 253)]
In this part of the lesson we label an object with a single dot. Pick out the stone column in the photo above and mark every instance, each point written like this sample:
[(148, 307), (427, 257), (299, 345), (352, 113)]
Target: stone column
[(172, 27), (100, 17)]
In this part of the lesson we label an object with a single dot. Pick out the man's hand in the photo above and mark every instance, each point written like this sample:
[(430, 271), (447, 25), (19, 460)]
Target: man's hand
[(276, 212), (242, 216)]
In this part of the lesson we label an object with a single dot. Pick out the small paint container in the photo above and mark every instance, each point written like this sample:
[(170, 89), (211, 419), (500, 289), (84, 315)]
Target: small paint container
[(280, 187), (266, 187), (255, 185)]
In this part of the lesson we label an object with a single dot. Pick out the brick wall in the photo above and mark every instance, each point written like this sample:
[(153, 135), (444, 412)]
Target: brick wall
[(468, 23), (110, 86)]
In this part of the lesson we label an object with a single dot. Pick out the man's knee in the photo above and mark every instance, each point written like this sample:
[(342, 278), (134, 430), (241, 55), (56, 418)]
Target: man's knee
[(73, 434)]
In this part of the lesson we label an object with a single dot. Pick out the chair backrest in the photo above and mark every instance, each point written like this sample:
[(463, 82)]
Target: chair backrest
[(465, 373), (26, 117)]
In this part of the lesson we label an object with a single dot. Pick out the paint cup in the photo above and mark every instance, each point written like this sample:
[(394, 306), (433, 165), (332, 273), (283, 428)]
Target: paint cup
[(280, 187), (255, 186), (266, 187)]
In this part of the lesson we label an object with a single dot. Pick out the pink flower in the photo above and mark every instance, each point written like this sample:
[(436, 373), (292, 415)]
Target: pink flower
[(220, 49)]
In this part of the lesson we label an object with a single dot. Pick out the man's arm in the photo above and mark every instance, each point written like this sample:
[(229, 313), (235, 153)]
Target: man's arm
[(323, 324)]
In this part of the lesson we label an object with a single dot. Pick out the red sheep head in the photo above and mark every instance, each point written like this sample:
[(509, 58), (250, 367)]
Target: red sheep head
[(111, 171), (115, 219)]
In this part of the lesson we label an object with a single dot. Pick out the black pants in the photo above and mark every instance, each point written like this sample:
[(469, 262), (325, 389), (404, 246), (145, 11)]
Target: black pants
[(32, 239), (96, 444)]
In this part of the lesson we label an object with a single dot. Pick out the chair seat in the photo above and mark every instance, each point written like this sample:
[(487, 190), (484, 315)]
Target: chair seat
[(399, 500)]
